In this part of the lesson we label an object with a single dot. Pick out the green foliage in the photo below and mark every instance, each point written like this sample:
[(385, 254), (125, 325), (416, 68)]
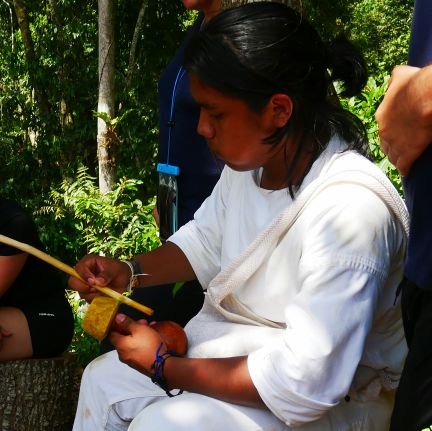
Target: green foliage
[(83, 345), (380, 28), (364, 106), (65, 66), (116, 224)]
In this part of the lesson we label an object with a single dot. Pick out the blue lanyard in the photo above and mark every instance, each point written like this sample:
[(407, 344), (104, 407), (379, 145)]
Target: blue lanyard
[(171, 122)]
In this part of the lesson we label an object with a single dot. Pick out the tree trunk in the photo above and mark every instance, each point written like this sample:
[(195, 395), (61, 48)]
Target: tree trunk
[(137, 32), (24, 25), (39, 394), (55, 16), (105, 139)]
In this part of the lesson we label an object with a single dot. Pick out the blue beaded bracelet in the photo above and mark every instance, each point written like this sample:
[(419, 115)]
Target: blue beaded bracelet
[(158, 368)]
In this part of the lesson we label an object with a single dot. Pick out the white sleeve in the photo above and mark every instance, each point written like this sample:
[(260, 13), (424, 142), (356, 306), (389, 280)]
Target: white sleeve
[(201, 238), (348, 238)]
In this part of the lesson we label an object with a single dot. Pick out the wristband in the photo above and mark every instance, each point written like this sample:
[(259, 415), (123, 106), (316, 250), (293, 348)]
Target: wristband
[(158, 368), (135, 270)]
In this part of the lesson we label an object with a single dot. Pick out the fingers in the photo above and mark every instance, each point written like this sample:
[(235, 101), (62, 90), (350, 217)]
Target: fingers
[(92, 271), (123, 324), (135, 342), (4, 333), (403, 167), (142, 322), (401, 161)]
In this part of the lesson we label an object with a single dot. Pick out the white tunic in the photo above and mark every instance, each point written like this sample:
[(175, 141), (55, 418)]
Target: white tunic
[(315, 312)]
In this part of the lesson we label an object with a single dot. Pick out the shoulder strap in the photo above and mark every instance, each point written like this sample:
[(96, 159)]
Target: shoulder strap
[(241, 269)]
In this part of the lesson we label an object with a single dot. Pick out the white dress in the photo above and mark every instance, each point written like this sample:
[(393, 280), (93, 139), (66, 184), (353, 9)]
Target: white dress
[(305, 289)]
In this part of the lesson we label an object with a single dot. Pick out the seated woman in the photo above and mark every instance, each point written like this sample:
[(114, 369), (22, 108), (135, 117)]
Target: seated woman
[(300, 246), (36, 319)]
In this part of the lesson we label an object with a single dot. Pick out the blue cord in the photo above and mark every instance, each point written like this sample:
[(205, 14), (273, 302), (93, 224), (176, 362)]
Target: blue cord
[(179, 76)]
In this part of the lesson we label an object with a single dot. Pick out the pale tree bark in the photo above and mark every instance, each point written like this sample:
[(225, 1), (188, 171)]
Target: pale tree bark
[(24, 25), (137, 32), (8, 5), (106, 138)]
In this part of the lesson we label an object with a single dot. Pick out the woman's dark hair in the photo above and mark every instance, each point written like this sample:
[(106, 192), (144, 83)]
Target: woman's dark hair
[(263, 48)]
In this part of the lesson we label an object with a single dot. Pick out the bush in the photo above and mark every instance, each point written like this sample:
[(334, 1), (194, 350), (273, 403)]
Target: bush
[(117, 225), (364, 106), (83, 345)]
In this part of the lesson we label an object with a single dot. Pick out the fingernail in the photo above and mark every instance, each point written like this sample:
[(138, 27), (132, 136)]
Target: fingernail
[(120, 318)]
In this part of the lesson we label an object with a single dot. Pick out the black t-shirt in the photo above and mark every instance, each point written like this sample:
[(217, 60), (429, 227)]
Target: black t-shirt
[(37, 280)]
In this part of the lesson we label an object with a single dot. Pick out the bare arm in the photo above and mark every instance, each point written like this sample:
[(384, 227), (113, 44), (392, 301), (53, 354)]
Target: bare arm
[(405, 116), (226, 379), (10, 267), (166, 264)]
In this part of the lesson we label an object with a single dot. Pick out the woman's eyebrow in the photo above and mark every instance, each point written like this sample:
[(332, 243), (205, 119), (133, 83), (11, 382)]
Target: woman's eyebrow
[(207, 105)]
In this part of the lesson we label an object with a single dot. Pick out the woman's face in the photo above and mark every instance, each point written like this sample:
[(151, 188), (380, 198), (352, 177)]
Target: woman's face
[(202, 5), (234, 132)]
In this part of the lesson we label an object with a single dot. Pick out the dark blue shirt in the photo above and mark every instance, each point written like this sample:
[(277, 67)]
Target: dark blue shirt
[(418, 184), (199, 169)]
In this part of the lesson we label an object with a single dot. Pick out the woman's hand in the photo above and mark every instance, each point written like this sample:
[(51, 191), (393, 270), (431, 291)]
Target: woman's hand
[(136, 343), (100, 271)]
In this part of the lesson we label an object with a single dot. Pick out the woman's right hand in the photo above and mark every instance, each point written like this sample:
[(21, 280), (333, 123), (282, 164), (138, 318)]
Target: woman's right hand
[(101, 271)]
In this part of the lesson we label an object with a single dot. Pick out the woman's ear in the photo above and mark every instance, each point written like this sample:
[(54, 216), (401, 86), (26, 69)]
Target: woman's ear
[(280, 108)]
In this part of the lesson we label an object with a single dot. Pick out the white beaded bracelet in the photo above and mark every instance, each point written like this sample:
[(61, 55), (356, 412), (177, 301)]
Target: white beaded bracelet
[(132, 276), (135, 270)]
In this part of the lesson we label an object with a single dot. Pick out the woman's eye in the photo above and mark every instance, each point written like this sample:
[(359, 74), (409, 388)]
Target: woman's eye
[(216, 116)]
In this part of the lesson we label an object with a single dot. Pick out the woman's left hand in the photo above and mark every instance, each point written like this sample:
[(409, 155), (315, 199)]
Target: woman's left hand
[(136, 343)]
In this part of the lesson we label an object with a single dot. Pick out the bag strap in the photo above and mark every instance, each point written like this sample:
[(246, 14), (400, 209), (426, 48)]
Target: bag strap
[(242, 268)]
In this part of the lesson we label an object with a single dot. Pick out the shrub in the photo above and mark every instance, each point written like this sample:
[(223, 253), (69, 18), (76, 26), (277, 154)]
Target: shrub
[(364, 106), (116, 224)]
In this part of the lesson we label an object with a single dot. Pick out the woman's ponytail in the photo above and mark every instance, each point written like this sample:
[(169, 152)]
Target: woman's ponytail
[(347, 65)]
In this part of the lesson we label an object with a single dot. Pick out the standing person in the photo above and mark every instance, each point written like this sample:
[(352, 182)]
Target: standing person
[(183, 151), (405, 123), (300, 246), (36, 319)]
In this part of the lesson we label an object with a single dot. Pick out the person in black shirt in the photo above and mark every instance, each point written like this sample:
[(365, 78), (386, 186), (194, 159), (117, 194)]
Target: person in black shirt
[(36, 319)]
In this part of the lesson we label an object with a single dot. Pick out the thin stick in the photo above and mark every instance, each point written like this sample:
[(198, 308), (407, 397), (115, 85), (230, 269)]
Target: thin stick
[(71, 271)]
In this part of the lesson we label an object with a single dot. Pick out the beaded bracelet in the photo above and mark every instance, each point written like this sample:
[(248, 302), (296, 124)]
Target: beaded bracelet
[(158, 368)]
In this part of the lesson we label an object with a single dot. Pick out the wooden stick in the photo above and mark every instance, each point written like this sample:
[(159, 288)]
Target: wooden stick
[(71, 271)]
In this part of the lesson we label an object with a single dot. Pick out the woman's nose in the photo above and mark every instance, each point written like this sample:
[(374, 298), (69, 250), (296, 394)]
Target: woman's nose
[(205, 128)]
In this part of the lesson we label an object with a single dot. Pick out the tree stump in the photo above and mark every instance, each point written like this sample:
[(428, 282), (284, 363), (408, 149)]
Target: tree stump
[(38, 394)]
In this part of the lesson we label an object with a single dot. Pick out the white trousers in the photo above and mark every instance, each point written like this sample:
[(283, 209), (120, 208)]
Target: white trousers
[(115, 397)]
